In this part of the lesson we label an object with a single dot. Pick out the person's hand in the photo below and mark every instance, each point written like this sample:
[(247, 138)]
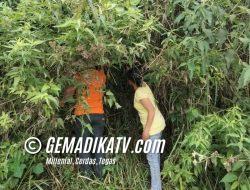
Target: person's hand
[(145, 135)]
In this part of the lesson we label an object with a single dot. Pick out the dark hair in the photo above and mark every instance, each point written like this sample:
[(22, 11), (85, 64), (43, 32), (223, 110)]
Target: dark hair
[(98, 67), (135, 76)]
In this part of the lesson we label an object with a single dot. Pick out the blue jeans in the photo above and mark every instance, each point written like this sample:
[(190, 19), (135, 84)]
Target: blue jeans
[(154, 164), (97, 122)]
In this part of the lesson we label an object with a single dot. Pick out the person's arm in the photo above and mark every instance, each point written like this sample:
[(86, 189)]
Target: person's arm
[(147, 104), (68, 92)]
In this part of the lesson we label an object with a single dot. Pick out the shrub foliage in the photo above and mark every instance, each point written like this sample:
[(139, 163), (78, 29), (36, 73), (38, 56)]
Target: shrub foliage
[(194, 53)]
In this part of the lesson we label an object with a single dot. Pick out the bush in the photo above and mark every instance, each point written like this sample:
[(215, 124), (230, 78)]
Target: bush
[(194, 54)]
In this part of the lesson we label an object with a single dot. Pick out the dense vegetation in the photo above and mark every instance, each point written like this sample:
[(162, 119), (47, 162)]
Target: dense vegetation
[(195, 55)]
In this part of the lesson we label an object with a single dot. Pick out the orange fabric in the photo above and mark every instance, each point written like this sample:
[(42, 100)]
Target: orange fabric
[(91, 99)]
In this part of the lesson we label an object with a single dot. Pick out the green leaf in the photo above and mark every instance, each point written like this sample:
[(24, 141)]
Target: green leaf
[(179, 18), (91, 33), (221, 36), (203, 46), (60, 122), (19, 170), (244, 77), (89, 127), (109, 93), (45, 88), (244, 9), (110, 102), (214, 161), (68, 23), (230, 177), (243, 187), (237, 165), (208, 33), (245, 40), (53, 100), (191, 68), (117, 106), (135, 2), (38, 169), (235, 185)]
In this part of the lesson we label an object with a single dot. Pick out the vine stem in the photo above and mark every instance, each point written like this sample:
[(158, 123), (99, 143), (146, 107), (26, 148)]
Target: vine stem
[(173, 149)]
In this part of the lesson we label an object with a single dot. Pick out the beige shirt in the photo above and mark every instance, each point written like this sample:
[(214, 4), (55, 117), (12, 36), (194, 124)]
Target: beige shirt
[(159, 122)]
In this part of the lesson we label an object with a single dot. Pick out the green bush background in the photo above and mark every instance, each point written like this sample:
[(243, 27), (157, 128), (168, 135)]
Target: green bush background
[(195, 56)]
